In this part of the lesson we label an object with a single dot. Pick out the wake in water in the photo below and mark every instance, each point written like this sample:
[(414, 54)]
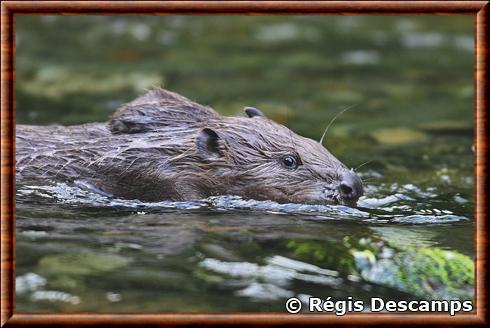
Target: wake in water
[(396, 208)]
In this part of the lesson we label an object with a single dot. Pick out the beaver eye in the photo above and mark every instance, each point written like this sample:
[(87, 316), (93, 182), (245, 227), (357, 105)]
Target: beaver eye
[(290, 162)]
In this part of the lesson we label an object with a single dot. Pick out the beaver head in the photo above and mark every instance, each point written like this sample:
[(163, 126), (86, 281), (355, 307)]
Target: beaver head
[(202, 154), (269, 161)]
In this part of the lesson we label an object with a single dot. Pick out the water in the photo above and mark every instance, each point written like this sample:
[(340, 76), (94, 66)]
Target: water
[(218, 254), (411, 236)]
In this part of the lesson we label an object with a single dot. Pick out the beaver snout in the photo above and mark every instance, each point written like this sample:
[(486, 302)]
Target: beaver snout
[(350, 188)]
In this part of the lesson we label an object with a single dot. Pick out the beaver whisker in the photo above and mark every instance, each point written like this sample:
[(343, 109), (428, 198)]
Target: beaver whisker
[(333, 120), (370, 179), (357, 168)]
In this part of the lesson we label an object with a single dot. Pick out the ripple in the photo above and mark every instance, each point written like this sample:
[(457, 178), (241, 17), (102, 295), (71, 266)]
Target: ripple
[(55, 296), (65, 194), (271, 280), (402, 206), (29, 282), (424, 219)]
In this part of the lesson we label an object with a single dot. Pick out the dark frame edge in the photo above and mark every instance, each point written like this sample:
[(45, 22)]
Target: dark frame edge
[(262, 7), (126, 319), (481, 170), (7, 202)]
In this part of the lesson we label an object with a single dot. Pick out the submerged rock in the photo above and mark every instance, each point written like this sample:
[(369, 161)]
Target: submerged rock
[(398, 136), (426, 272), (81, 264)]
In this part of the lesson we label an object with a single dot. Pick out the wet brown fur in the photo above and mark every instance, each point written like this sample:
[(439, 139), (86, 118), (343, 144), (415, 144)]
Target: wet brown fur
[(148, 151)]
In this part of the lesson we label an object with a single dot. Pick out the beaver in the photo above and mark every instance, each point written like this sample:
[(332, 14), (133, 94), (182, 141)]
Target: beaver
[(163, 146)]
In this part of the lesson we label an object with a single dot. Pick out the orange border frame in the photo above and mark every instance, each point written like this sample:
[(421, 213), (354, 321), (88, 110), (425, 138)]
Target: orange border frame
[(9, 9)]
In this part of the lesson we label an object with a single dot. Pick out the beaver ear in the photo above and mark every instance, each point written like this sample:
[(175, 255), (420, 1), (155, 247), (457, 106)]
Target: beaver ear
[(252, 112), (207, 143)]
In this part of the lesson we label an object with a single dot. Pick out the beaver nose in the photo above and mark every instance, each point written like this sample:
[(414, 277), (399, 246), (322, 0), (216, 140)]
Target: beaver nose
[(350, 188)]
